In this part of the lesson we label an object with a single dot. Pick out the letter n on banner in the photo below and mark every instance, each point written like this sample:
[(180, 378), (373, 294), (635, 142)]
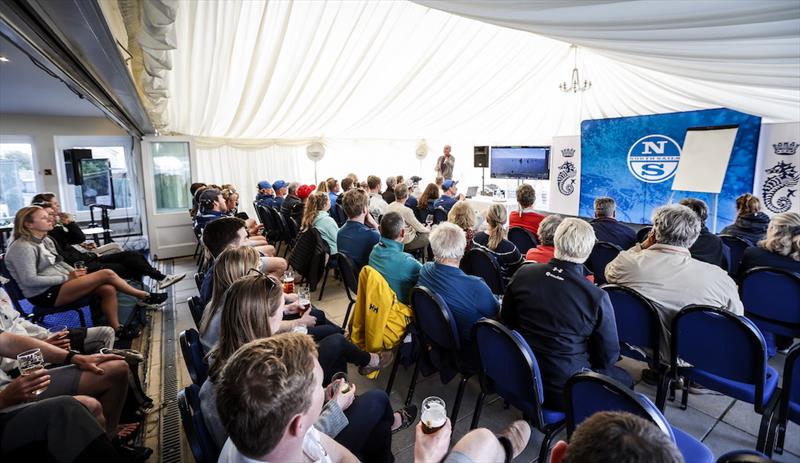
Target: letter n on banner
[(565, 174), (777, 179)]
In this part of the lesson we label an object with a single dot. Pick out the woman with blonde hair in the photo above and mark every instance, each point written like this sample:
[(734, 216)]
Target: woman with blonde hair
[(47, 281), (464, 216), (252, 309), (316, 215), (495, 243), (751, 224)]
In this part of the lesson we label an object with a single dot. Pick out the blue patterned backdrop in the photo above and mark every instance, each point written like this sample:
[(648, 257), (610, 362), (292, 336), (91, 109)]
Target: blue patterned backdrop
[(607, 143)]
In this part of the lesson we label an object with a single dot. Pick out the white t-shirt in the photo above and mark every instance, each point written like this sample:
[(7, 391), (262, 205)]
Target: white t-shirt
[(312, 449)]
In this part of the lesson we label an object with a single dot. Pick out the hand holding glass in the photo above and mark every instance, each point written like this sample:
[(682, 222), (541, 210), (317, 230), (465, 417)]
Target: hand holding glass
[(29, 362)]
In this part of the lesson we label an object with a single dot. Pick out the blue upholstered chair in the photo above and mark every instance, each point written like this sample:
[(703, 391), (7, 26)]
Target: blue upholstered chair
[(507, 367), (482, 264), (194, 356), (195, 310), (771, 298), (199, 438), (523, 239), (602, 253), (789, 408), (737, 247), (590, 392), (732, 361)]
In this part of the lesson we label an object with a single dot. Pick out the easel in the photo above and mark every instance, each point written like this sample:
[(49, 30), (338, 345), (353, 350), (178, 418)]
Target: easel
[(105, 223)]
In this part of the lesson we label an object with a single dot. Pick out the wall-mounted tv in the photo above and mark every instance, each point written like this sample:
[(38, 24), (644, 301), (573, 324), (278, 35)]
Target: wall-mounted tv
[(520, 162), (98, 187)]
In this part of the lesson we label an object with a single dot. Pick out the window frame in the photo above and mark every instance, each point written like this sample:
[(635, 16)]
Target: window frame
[(11, 139)]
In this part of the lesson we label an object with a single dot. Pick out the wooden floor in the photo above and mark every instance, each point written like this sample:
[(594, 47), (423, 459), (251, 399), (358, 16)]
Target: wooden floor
[(722, 423)]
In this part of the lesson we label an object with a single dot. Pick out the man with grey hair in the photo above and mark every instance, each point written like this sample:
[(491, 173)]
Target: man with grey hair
[(399, 268), (467, 296), (288, 207), (567, 321), (388, 195), (606, 226), (662, 270)]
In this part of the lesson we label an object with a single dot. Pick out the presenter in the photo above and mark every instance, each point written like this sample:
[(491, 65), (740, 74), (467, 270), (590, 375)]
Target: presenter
[(445, 164)]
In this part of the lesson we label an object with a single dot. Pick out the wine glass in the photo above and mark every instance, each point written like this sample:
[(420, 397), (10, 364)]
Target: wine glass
[(429, 220)]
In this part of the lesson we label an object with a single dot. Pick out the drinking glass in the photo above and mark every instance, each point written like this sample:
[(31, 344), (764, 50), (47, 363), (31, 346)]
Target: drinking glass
[(345, 384), (288, 282), (429, 219), (29, 362), (434, 414), (56, 329), (304, 299), (79, 265)]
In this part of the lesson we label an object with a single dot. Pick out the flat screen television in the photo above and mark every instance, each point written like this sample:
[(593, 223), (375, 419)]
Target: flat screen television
[(98, 186), (521, 162)]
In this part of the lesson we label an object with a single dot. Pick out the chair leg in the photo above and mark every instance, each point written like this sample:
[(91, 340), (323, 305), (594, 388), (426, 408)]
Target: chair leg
[(661, 391), (413, 384), (685, 394), (347, 314), (549, 434), (765, 434), (324, 280), (459, 395), (393, 374), (476, 415), (781, 435)]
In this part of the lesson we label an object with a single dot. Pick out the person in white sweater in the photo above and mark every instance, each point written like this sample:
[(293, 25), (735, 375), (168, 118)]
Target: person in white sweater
[(47, 281)]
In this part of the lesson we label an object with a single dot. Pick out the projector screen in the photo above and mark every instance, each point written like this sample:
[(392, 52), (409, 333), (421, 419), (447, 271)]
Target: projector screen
[(521, 162)]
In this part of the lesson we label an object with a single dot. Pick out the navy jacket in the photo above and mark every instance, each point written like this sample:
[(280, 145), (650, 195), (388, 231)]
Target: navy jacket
[(612, 231), (567, 321), (750, 227), (708, 248), (759, 257)]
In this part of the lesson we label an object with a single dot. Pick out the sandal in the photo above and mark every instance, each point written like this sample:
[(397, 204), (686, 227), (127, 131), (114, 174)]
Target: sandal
[(126, 433), (407, 416)]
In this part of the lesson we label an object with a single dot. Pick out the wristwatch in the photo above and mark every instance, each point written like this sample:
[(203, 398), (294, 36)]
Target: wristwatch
[(70, 353)]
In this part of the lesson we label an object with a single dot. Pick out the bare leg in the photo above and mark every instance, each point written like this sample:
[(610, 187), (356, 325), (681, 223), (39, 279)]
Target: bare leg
[(109, 304), (265, 249), (74, 289), (274, 266), (94, 408), (109, 389), (481, 445)]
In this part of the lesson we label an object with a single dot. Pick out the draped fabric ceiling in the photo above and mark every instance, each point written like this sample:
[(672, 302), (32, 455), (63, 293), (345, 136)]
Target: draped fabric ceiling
[(255, 73)]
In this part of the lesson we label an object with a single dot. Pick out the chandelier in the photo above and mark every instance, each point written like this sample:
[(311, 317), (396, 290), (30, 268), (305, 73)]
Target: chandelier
[(575, 85)]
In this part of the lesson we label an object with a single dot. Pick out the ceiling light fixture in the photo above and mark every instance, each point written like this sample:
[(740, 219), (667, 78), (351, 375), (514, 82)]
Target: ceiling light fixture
[(575, 86)]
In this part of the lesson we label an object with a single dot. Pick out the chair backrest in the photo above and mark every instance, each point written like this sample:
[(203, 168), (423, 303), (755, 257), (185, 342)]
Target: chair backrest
[(771, 294), (281, 230), (439, 215), (341, 216), (12, 288), (193, 355), (347, 268), (434, 319), (262, 213), (736, 350), (480, 263), (198, 280), (194, 309), (202, 445), (638, 323), (791, 380), (641, 235), (507, 365), (737, 246), (589, 392), (522, 238), (602, 253)]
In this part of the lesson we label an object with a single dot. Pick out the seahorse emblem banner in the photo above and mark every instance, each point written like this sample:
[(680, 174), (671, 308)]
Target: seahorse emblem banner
[(777, 180), (634, 160), (565, 174)]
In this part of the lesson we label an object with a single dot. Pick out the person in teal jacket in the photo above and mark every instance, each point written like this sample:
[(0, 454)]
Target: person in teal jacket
[(399, 268)]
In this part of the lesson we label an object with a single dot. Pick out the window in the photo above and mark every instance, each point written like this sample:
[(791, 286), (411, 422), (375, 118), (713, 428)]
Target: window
[(17, 176), (172, 174)]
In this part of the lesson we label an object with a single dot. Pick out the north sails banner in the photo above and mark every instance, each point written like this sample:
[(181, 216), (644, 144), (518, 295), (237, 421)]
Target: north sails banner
[(777, 179), (565, 175)]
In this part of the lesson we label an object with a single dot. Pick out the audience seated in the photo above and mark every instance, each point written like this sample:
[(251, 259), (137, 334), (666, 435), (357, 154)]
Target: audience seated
[(388, 194), (780, 248), (377, 205), (416, 234), (333, 194), (266, 195), (411, 202), (449, 195), (526, 217), (495, 243), (211, 207), (464, 216), (567, 321), (360, 233), (467, 296), (399, 268), (607, 228), (751, 224), (347, 185), (708, 246), (366, 424), (616, 436), (193, 190), (292, 204), (662, 269), (316, 215), (547, 232), (425, 205), (280, 188), (47, 281)]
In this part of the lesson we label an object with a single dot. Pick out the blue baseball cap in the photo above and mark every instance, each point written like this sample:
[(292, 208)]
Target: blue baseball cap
[(264, 185), (279, 184), (447, 184)]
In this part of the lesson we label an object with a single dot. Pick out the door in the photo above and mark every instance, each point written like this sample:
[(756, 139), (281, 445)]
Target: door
[(168, 168)]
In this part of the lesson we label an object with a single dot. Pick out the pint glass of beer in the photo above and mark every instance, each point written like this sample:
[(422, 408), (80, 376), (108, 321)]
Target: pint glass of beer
[(434, 414)]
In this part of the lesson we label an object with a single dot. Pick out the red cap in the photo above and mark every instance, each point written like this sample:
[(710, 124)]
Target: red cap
[(304, 191)]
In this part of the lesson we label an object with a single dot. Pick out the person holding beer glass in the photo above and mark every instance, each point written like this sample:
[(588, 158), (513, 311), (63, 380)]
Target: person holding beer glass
[(252, 310)]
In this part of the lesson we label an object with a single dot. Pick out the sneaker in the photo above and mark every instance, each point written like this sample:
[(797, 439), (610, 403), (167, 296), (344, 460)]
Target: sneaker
[(518, 434), (127, 333), (154, 299), (170, 280), (131, 356)]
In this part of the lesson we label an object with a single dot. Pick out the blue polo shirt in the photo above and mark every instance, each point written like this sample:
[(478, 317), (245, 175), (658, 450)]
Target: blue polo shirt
[(446, 202), (265, 200), (399, 268), (356, 240), (201, 220), (612, 231), (467, 296)]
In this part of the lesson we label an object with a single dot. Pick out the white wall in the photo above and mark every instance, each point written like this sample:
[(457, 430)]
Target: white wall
[(43, 129)]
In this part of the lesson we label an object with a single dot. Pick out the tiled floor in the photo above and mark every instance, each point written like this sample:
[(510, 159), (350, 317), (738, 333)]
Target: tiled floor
[(723, 424)]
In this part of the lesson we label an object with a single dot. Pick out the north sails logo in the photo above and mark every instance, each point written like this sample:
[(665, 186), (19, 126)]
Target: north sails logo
[(654, 158)]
